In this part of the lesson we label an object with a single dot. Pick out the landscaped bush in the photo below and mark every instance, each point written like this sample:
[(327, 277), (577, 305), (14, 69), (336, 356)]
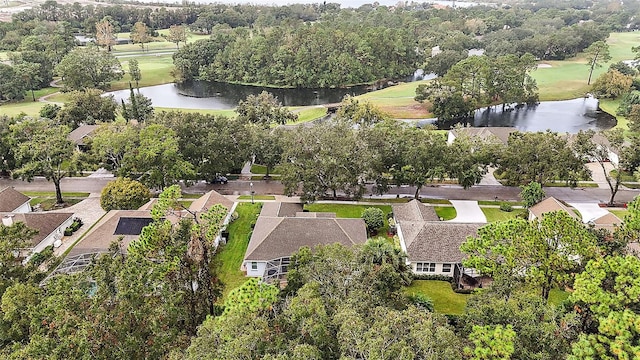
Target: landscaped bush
[(506, 207), (432, 277), (75, 225), (374, 219), (422, 301), (38, 258), (124, 194)]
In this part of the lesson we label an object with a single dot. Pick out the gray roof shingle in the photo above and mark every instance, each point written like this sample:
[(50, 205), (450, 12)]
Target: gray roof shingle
[(414, 210), (44, 222), (440, 242)]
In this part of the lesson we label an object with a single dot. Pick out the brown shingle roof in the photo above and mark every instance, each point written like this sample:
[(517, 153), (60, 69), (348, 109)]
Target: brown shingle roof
[(414, 210), (608, 221), (102, 234), (548, 205), (276, 237), (11, 199), (78, 135), (280, 209), (209, 199), (44, 222), (440, 242)]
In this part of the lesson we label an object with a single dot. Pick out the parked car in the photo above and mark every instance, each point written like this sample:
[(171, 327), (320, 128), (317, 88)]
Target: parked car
[(219, 179)]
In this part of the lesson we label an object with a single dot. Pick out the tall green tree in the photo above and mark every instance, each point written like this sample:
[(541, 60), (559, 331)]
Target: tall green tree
[(44, 149), (114, 146), (607, 292), (124, 194), (87, 107), (541, 253), (531, 194), (134, 71), (85, 68), (493, 342), (264, 109), (30, 76), (140, 34), (597, 54), (158, 159), (177, 34)]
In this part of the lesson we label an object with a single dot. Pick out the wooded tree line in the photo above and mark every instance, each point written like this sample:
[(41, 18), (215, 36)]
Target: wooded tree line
[(339, 302)]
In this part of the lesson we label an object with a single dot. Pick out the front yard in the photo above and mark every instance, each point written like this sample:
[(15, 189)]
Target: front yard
[(352, 212)]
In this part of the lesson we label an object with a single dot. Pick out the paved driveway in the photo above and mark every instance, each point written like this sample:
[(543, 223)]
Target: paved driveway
[(589, 211), (468, 212), (90, 211)]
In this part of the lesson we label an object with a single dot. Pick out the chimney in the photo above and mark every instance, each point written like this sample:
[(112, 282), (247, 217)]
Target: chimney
[(7, 220)]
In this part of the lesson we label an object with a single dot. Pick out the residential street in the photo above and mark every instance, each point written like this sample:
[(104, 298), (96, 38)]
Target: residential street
[(261, 187)]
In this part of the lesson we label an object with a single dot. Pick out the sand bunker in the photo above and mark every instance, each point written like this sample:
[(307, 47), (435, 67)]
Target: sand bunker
[(543, 66)]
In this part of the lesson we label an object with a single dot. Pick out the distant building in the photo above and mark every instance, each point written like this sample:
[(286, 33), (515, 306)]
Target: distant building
[(500, 134)]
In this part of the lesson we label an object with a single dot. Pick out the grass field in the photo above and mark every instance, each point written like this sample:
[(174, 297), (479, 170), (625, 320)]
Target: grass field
[(310, 114), (446, 212), (229, 257), (397, 101), (445, 301), (495, 214), (620, 213), (256, 197), (351, 211)]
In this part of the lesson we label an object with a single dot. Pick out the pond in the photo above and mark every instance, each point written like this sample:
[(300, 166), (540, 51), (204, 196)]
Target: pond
[(224, 96), (568, 116)]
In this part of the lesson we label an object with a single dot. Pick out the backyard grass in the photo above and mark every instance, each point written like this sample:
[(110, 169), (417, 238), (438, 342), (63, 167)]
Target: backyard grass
[(445, 301), (446, 212), (191, 196), (351, 211), (53, 194), (229, 256), (626, 176), (256, 197), (495, 214)]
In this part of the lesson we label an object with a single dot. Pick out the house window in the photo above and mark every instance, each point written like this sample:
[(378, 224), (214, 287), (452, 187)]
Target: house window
[(446, 268), (425, 267), (254, 266)]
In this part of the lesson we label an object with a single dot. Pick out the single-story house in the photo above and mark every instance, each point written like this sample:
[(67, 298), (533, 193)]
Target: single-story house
[(608, 221), (50, 227), (79, 135), (128, 224), (613, 153), (548, 205), (278, 233), (432, 246), (13, 201), (500, 134)]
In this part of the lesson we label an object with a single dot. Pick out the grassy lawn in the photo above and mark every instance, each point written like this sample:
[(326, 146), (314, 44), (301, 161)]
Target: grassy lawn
[(436, 201), (610, 106), (620, 213), (228, 113), (53, 194), (262, 170), (256, 197), (48, 203), (229, 257), (445, 301), (499, 202), (495, 214), (397, 101), (446, 212), (351, 211), (310, 114), (557, 296), (155, 70), (626, 176), (564, 184)]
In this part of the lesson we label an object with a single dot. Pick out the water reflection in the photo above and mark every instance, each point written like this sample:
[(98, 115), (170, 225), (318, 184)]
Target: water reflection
[(569, 116)]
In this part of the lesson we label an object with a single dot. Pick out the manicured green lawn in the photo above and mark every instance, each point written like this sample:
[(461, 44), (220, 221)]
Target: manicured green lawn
[(351, 211), (436, 201), (610, 106), (310, 114), (261, 169), (495, 214), (49, 203), (229, 256), (446, 212), (620, 213), (256, 197), (53, 194), (155, 70), (397, 101), (445, 301), (497, 203)]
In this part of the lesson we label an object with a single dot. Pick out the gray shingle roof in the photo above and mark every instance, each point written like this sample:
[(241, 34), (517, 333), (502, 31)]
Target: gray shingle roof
[(209, 199), (280, 209), (414, 210), (440, 242), (276, 237), (78, 135), (500, 133), (11, 199)]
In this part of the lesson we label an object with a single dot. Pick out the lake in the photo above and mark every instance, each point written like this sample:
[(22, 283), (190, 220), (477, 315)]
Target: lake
[(568, 116)]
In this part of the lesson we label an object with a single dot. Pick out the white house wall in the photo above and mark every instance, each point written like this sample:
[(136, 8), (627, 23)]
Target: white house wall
[(254, 273), (57, 234), (23, 209), (438, 269)]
